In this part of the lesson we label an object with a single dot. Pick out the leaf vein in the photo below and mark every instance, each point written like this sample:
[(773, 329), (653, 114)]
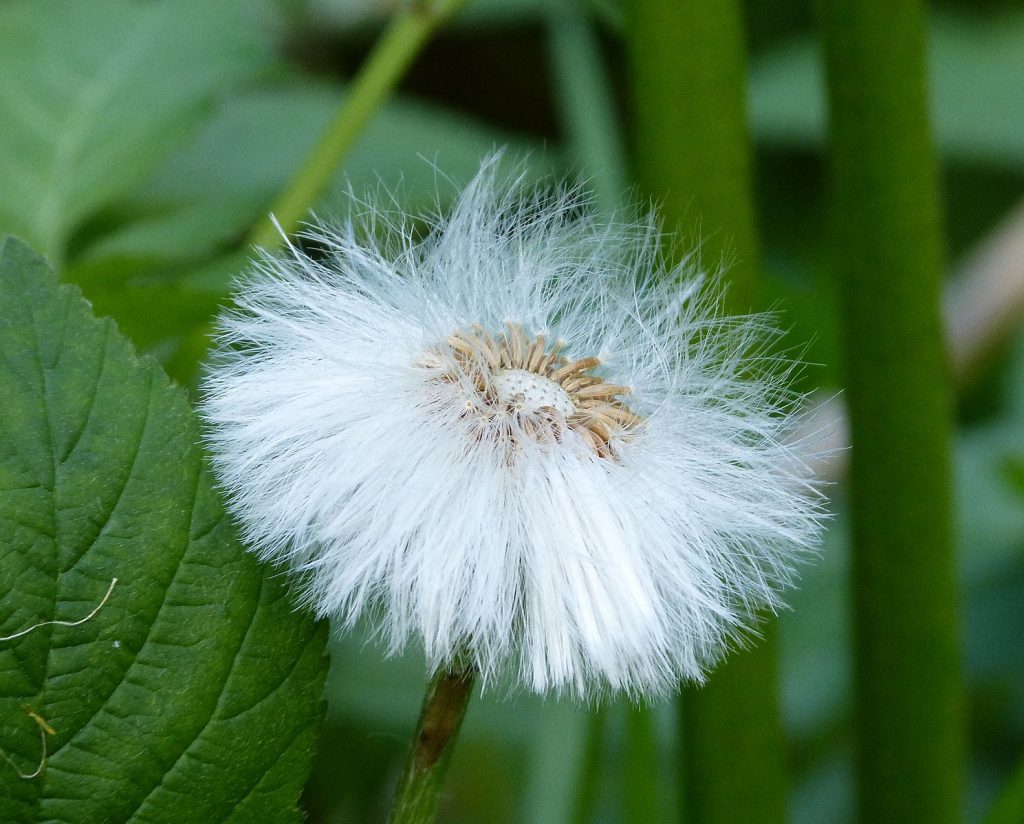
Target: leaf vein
[(213, 710), (135, 656), (107, 519), (262, 775), (77, 437)]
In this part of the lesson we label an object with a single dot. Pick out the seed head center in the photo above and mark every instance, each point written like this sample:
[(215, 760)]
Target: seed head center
[(524, 385), (530, 392)]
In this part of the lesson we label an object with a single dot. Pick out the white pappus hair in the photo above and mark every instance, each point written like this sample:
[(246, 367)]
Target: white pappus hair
[(515, 437)]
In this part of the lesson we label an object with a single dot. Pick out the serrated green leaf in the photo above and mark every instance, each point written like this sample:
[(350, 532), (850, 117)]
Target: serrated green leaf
[(193, 694), (96, 93)]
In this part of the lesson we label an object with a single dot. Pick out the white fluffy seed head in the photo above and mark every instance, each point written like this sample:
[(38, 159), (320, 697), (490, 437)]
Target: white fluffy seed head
[(517, 440)]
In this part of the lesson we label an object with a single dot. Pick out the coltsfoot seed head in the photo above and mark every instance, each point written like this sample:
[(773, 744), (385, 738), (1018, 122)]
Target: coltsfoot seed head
[(518, 440)]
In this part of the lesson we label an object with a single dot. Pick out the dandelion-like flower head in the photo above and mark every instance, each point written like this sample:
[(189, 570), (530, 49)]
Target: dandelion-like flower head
[(514, 437)]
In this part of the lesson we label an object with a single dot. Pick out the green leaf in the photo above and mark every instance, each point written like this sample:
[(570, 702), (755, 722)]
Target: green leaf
[(193, 693), (96, 93), (210, 192), (346, 16)]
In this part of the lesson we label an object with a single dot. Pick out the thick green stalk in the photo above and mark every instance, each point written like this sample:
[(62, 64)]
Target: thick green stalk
[(733, 751), (444, 707), (889, 257), (733, 756), (643, 797), (693, 156), (692, 147), (585, 800), (405, 36)]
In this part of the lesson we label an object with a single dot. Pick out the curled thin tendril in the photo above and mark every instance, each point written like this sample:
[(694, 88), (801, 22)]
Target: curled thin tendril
[(44, 730), (89, 617)]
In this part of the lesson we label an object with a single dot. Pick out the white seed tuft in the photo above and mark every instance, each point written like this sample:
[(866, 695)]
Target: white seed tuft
[(517, 440)]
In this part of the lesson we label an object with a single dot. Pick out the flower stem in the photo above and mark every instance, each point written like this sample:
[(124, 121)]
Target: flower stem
[(693, 155), (889, 257), (401, 42), (444, 707), (586, 103)]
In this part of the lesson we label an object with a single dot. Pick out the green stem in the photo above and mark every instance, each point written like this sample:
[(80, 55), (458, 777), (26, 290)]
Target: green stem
[(734, 757), (444, 707), (642, 795), (586, 104), (890, 259), (1009, 807), (693, 156), (692, 145), (405, 36), (588, 782), (557, 762)]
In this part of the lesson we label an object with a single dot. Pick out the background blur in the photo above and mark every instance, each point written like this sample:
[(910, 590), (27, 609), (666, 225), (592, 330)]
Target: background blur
[(140, 141)]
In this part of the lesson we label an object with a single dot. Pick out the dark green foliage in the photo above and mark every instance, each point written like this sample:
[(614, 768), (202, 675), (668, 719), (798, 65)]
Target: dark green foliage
[(124, 83), (193, 694)]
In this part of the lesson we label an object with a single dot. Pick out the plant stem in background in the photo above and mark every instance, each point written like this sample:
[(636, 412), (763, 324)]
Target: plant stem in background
[(889, 257), (403, 39), (585, 801), (593, 136), (586, 104), (643, 797), (558, 762), (692, 145), (1009, 807), (693, 156), (401, 42), (444, 706)]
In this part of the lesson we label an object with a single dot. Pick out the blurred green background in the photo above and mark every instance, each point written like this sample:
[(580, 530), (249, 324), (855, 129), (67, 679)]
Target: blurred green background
[(139, 142)]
